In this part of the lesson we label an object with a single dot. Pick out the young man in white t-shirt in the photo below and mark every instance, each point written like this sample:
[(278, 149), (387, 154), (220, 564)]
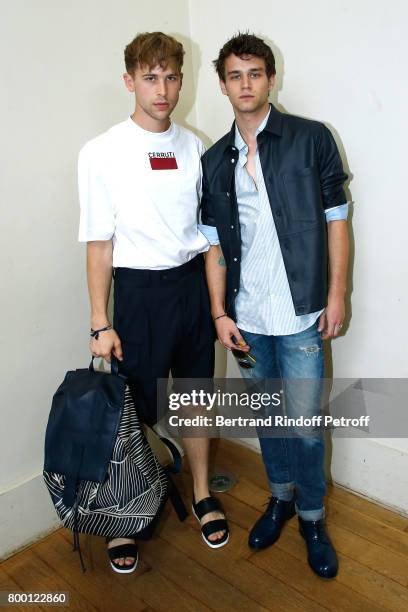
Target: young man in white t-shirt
[(139, 186)]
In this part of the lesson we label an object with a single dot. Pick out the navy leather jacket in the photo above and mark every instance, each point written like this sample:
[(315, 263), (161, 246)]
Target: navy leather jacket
[(304, 176)]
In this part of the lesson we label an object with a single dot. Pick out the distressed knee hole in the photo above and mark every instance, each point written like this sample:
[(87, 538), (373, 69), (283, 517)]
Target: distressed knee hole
[(310, 350)]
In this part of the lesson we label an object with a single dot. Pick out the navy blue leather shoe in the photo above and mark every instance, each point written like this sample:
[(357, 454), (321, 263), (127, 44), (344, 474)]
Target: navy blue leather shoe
[(268, 527), (321, 555)]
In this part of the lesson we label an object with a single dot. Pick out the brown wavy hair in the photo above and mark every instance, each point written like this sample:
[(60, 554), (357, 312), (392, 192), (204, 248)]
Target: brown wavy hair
[(241, 45), (153, 49)]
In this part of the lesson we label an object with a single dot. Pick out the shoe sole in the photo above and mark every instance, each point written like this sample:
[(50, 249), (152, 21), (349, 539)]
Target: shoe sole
[(208, 542)]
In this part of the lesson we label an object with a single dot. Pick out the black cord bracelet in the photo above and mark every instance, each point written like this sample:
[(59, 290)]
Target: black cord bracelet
[(220, 317), (95, 332)]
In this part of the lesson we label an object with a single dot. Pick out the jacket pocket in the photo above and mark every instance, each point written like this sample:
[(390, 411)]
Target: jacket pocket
[(302, 188)]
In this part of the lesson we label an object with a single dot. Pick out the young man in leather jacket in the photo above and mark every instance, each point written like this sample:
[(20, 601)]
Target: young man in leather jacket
[(275, 212)]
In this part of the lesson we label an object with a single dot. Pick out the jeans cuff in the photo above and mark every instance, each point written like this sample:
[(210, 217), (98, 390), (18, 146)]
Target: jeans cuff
[(282, 490), (310, 515)]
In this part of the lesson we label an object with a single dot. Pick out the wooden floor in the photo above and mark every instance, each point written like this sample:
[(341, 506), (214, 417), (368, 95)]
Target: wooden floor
[(179, 572)]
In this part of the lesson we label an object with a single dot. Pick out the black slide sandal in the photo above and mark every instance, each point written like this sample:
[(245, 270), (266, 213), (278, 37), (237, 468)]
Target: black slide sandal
[(121, 552), (203, 507)]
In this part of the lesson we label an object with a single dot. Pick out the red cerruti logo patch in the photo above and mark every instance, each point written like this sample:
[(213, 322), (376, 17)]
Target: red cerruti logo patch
[(163, 161)]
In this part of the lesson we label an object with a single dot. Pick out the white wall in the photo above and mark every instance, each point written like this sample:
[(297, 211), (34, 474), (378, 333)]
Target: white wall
[(343, 63), (61, 65)]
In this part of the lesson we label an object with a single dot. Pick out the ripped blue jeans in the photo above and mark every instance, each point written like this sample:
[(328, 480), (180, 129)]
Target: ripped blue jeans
[(294, 465)]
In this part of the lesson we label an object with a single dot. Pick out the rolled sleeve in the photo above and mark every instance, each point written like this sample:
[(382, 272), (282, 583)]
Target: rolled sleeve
[(210, 233), (337, 213), (97, 219), (331, 171)]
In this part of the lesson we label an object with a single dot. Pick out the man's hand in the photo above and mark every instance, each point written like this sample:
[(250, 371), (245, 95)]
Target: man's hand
[(226, 328), (107, 343), (331, 320)]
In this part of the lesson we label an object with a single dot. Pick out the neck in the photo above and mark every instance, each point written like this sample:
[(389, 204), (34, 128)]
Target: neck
[(149, 123), (248, 123)]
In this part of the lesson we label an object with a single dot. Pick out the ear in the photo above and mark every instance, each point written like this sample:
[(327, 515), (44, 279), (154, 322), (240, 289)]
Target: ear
[(181, 79), (271, 82), (223, 87), (129, 82)]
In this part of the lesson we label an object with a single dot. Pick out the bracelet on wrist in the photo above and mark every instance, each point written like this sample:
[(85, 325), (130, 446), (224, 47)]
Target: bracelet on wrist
[(94, 333), (220, 316)]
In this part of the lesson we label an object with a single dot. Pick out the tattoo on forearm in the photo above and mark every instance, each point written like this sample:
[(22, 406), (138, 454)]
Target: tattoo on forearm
[(221, 261)]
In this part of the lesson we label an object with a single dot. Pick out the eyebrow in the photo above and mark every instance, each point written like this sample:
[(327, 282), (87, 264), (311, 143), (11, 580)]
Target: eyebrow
[(157, 74), (257, 69)]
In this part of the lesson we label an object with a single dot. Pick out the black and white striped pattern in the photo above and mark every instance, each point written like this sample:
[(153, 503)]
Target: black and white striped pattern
[(129, 499)]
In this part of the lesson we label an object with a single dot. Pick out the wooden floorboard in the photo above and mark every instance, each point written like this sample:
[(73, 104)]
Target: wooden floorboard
[(32, 574), (258, 585), (366, 507), (101, 591), (344, 530), (370, 587), (177, 571), (8, 584)]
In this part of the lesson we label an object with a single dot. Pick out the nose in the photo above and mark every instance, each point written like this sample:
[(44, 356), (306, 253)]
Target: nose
[(245, 82), (162, 87)]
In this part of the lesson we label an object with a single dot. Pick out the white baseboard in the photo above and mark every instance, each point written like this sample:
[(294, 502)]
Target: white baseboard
[(372, 469), (26, 515), (369, 468)]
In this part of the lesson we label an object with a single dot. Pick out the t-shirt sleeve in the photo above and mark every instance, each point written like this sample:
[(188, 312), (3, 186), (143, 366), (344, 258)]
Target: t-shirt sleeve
[(97, 219), (201, 147)]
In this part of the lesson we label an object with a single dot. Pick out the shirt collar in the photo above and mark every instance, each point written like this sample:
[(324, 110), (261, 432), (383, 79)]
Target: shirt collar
[(273, 126), (240, 142)]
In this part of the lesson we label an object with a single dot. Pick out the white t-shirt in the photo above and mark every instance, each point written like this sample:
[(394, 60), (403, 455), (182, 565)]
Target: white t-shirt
[(142, 189)]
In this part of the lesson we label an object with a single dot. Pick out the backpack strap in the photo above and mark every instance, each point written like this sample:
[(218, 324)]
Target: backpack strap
[(177, 464), (71, 481), (176, 499)]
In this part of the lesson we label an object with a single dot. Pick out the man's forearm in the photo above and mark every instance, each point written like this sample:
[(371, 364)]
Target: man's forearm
[(216, 272), (99, 273), (338, 246)]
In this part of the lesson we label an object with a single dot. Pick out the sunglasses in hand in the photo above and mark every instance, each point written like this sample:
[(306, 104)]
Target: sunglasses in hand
[(245, 360)]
